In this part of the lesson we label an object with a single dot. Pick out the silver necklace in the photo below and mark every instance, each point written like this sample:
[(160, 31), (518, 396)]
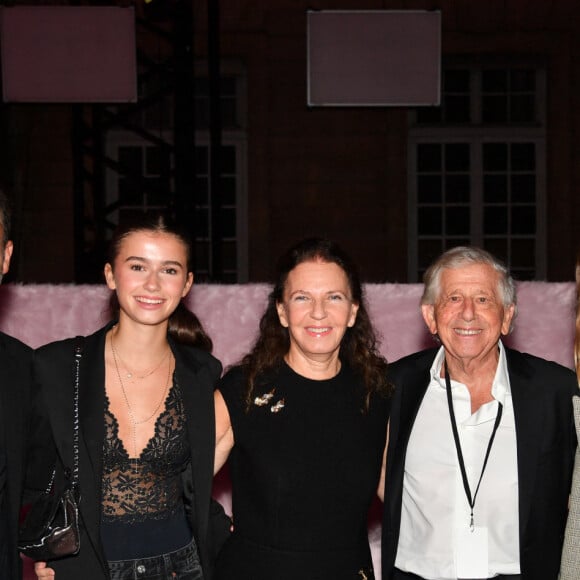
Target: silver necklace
[(132, 419)]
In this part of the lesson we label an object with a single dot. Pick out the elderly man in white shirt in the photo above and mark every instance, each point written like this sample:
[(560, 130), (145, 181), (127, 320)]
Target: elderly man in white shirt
[(481, 440)]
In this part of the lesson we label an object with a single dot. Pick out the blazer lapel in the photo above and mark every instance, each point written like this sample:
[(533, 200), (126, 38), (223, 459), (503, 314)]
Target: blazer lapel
[(92, 400), (529, 420), (200, 429), (403, 412)]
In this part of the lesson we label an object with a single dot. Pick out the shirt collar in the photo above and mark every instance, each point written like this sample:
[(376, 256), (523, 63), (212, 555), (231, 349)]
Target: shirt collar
[(501, 384)]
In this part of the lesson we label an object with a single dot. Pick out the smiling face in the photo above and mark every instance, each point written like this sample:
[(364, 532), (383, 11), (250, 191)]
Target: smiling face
[(469, 315), (150, 276), (317, 309)]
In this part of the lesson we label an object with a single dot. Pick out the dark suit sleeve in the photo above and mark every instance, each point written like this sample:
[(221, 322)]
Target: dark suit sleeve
[(41, 452)]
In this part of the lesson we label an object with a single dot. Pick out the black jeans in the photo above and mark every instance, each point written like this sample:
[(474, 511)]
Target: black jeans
[(183, 564)]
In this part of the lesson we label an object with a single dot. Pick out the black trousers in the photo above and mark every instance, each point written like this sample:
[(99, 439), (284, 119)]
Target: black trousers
[(400, 575)]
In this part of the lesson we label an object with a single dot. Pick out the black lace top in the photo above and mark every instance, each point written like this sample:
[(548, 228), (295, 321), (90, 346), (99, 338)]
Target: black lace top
[(148, 487)]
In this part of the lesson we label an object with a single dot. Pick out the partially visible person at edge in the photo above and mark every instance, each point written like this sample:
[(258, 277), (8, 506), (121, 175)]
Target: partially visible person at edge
[(147, 428), (15, 361), (570, 566), (481, 439), (577, 337), (303, 419)]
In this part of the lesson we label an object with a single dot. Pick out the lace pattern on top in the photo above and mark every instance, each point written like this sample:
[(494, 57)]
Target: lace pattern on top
[(147, 487)]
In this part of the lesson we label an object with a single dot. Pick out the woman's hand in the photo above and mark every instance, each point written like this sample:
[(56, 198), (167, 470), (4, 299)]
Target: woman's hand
[(43, 571)]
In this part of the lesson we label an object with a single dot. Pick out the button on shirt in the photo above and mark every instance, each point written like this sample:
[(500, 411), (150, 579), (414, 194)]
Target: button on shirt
[(435, 508)]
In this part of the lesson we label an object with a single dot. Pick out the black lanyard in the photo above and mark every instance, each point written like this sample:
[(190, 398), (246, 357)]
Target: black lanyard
[(458, 446)]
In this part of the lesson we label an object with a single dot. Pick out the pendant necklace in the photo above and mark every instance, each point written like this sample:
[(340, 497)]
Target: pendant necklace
[(131, 414)]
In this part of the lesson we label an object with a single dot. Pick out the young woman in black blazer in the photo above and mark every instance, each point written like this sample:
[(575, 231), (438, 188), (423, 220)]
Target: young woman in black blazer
[(147, 428)]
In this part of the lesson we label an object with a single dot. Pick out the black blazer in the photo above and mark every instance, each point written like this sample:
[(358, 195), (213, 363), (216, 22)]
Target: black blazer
[(15, 365), (196, 373), (546, 441)]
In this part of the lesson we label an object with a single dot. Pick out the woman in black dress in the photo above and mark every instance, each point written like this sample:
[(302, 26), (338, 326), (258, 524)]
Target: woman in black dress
[(303, 420)]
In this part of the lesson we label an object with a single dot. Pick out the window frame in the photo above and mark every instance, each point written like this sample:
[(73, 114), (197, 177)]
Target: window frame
[(476, 134)]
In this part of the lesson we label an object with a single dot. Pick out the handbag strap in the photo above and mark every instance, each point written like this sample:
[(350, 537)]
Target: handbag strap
[(78, 352)]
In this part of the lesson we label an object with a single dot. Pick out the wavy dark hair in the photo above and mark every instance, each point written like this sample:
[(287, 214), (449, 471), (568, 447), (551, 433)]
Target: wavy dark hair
[(184, 326), (359, 347)]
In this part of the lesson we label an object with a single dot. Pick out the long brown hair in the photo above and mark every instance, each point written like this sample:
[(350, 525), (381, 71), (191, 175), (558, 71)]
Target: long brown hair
[(184, 326), (359, 347)]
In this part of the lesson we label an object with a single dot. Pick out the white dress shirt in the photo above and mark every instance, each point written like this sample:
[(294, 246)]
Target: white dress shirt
[(435, 510)]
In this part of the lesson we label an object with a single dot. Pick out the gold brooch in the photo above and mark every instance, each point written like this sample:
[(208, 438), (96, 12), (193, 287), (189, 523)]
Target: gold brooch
[(264, 399), (277, 406)]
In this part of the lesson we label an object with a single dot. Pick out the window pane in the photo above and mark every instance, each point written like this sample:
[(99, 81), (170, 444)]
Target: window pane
[(201, 163), (429, 188), (523, 80), (228, 219), (228, 190), (429, 221), (428, 157), (201, 113), (457, 157), (523, 156), (495, 220), (229, 256), (495, 188), (523, 188), (495, 156), (229, 113), (498, 247), (201, 190), (457, 221), (201, 256), (520, 274), (522, 109), (229, 277), (457, 109), (201, 224), (228, 159), (494, 109), (524, 220), (458, 242), (457, 189), (494, 81)]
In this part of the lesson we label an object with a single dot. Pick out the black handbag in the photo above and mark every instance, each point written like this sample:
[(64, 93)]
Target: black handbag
[(51, 527)]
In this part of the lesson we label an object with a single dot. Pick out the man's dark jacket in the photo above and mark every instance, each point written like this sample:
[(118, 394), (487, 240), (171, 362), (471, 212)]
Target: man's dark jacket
[(15, 367), (546, 441)]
